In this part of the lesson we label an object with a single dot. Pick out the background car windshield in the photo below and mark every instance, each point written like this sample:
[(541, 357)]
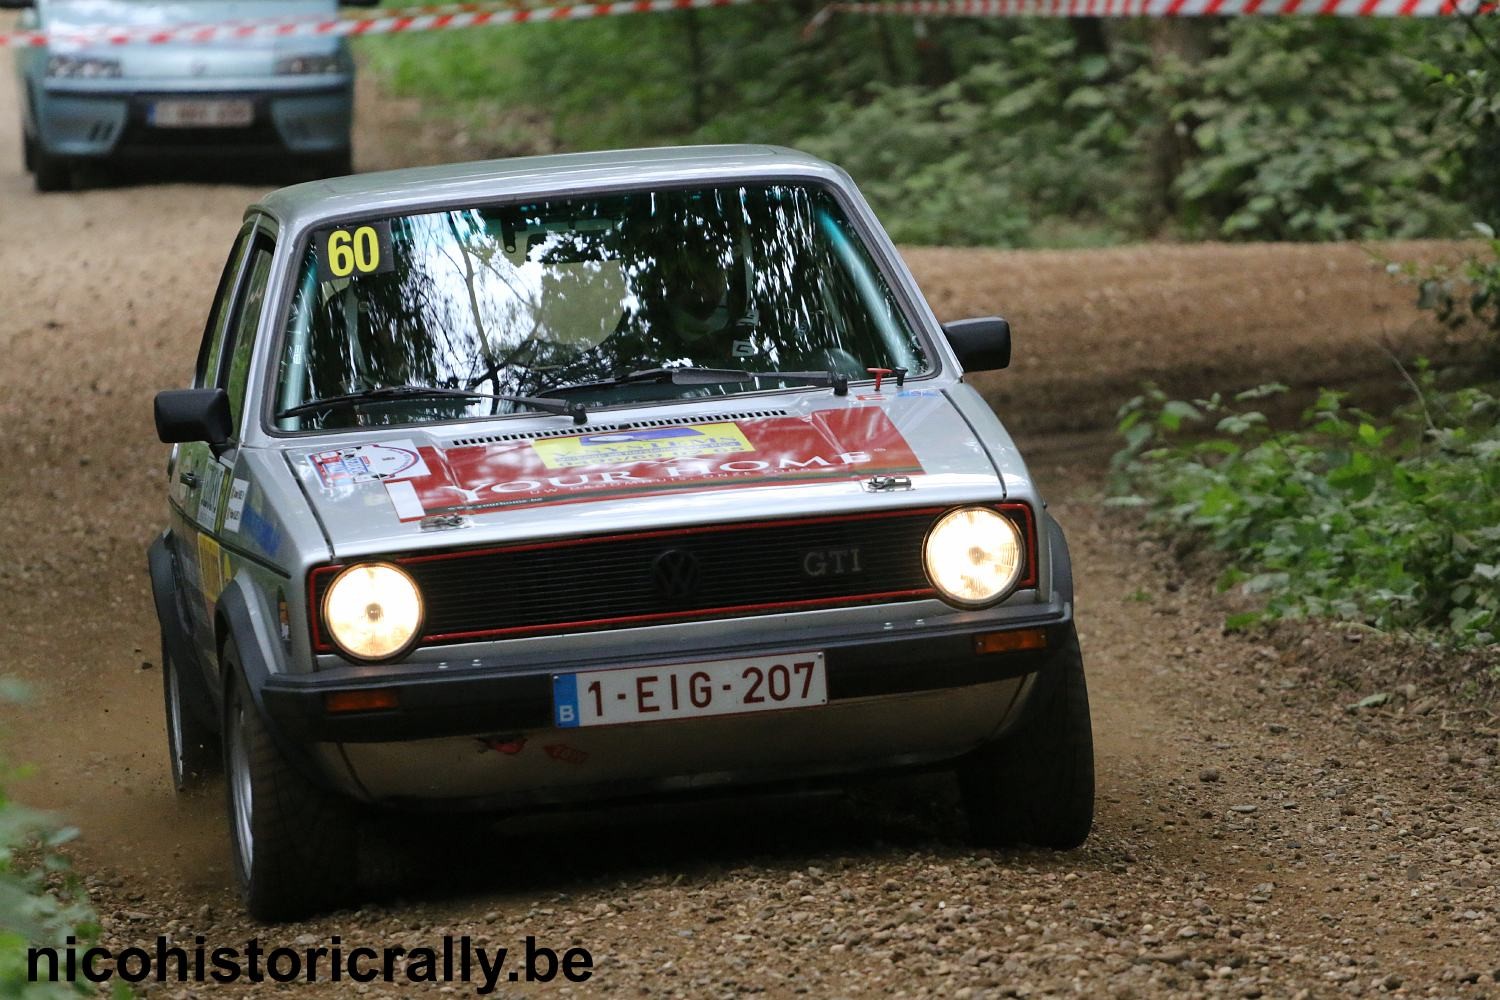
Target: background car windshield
[(558, 298)]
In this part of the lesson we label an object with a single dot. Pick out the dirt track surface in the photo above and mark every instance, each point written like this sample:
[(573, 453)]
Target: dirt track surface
[(1255, 836)]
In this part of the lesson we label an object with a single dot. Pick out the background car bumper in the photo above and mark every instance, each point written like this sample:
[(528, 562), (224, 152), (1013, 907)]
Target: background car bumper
[(76, 122)]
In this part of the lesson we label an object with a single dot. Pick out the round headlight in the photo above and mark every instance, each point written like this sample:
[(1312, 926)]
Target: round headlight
[(973, 555), (373, 611)]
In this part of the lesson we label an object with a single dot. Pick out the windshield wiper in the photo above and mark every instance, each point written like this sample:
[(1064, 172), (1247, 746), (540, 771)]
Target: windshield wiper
[(712, 376), (387, 393)]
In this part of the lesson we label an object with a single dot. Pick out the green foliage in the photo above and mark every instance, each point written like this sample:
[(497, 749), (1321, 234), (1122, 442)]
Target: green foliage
[(1016, 131), (1469, 81), (1466, 296), (40, 904), (731, 75), (1391, 522), (1308, 129), (1469, 295), (1041, 134)]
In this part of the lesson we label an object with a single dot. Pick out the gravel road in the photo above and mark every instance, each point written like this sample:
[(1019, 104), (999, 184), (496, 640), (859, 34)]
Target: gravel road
[(1256, 835)]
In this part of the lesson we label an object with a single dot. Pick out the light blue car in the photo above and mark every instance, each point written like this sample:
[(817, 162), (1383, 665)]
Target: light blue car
[(282, 99)]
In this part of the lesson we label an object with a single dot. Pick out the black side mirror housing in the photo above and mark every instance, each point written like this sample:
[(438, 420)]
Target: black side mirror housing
[(184, 415), (982, 345)]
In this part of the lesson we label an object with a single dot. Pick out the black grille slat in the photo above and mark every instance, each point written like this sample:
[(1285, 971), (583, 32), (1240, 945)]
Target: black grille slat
[(594, 583)]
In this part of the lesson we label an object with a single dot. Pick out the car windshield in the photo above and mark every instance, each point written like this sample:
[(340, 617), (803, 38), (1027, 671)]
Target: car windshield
[(565, 298)]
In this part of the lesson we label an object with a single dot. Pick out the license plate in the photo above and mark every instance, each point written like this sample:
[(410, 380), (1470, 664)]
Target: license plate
[(689, 690), (202, 114)]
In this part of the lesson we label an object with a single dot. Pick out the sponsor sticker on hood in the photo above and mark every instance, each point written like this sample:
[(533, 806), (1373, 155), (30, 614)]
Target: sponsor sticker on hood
[(368, 462), (848, 444), (656, 444)]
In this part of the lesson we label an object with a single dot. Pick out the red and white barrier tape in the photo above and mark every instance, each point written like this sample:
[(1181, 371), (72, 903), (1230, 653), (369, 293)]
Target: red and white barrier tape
[(442, 18), (1157, 8)]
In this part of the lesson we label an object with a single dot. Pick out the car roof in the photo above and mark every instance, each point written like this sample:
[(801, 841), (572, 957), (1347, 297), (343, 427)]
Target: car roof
[(303, 205)]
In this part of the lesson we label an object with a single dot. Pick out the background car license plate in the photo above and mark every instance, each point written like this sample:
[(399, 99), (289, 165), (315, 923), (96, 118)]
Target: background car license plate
[(689, 690), (202, 114)]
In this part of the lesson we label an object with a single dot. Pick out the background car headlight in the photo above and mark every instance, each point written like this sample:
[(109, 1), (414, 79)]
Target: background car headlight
[(973, 555), (373, 610), (308, 65), (90, 67)]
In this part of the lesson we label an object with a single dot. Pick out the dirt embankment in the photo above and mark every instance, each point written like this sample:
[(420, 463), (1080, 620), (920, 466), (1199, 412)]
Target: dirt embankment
[(1255, 837)]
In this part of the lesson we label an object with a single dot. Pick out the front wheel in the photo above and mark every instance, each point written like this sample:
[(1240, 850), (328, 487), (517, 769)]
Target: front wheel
[(294, 844), (1035, 785)]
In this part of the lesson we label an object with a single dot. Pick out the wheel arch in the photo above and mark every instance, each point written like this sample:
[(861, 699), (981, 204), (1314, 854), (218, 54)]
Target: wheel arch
[(242, 613), (177, 635), (1060, 561)]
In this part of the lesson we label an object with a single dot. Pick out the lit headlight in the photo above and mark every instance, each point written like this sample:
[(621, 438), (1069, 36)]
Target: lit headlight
[(89, 67), (308, 65), (973, 555), (373, 611)]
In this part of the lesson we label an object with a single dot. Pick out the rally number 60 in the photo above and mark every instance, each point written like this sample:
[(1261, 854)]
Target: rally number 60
[(357, 251)]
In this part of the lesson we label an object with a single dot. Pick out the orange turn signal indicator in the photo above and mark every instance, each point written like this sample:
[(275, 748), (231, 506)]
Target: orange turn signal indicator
[(369, 700), (1011, 641)]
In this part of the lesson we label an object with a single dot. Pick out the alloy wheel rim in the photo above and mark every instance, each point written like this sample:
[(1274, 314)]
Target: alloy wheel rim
[(240, 788), (174, 720)]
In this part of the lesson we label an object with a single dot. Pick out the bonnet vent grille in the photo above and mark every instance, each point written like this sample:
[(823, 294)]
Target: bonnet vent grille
[(712, 418)]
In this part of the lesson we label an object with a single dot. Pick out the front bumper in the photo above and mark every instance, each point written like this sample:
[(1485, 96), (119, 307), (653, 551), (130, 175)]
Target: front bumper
[(460, 701), (477, 737), (72, 120)]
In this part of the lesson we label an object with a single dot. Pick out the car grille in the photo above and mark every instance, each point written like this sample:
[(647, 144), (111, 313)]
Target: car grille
[(660, 576)]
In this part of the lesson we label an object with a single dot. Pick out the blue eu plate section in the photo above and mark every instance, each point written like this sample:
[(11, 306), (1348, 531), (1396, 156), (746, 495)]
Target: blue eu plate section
[(565, 700)]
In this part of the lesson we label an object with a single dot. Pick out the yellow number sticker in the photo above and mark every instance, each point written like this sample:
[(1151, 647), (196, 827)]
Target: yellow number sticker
[(353, 250)]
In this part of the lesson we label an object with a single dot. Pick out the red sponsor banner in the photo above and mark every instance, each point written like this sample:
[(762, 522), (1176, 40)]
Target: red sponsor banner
[(848, 444)]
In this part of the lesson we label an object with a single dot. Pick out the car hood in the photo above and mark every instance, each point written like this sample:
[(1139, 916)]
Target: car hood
[(221, 57), (143, 14), (476, 484)]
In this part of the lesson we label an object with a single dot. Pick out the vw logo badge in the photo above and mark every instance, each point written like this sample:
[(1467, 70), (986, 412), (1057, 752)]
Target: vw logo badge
[(676, 575)]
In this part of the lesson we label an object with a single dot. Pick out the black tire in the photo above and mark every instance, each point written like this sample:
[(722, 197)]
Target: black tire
[(293, 844), (1035, 785), (193, 748), (50, 173), (28, 149)]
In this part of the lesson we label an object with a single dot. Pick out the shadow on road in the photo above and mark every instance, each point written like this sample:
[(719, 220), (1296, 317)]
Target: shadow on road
[(447, 856)]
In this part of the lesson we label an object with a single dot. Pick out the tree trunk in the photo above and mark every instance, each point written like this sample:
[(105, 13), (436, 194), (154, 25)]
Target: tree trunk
[(1089, 36), (1189, 41)]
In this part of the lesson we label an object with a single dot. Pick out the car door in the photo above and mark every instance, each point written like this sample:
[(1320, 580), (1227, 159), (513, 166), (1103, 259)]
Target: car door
[(204, 474)]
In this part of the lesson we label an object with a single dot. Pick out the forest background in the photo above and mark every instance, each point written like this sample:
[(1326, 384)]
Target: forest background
[(1020, 131)]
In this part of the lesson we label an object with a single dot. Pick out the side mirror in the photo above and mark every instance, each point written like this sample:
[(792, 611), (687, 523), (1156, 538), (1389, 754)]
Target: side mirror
[(982, 345), (184, 415)]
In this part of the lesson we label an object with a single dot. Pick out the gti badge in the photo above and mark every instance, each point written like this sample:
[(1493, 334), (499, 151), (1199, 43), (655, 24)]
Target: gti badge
[(831, 562)]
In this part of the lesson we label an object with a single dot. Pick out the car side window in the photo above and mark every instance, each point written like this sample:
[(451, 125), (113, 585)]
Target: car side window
[(243, 323), (211, 350)]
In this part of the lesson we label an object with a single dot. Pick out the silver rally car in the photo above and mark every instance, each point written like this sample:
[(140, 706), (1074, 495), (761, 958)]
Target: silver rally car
[(557, 480)]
